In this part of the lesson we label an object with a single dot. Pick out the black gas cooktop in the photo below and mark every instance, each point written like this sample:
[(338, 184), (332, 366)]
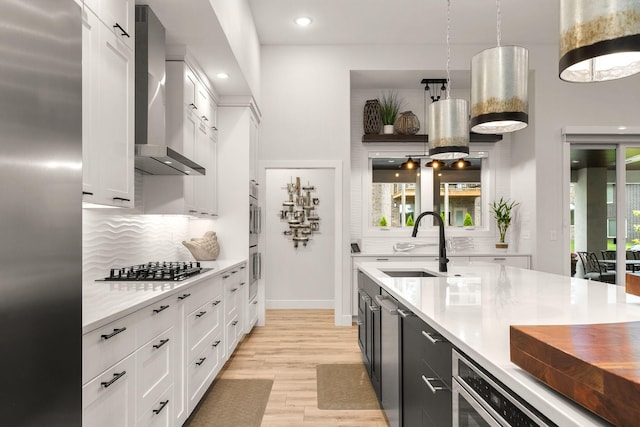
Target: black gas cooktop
[(156, 271)]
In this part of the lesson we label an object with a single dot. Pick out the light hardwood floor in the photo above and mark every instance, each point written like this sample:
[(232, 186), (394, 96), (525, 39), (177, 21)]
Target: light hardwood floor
[(287, 350)]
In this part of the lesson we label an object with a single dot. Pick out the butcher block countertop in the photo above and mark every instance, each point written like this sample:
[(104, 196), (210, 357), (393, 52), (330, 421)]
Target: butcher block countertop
[(474, 306), (597, 366)]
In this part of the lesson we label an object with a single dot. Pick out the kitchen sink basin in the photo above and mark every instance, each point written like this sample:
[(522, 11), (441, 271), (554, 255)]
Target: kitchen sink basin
[(408, 273)]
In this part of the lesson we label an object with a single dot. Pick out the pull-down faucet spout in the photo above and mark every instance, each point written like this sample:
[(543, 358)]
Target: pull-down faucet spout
[(442, 250)]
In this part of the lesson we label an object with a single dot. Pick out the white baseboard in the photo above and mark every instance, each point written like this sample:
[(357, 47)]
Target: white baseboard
[(295, 304)]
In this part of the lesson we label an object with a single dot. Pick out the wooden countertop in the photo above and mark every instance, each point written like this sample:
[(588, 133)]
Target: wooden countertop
[(598, 365)]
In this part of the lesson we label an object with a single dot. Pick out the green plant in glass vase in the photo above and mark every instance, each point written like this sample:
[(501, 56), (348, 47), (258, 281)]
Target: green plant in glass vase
[(502, 214)]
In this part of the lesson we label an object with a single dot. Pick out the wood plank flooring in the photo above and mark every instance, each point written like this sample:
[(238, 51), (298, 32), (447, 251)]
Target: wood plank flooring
[(287, 350)]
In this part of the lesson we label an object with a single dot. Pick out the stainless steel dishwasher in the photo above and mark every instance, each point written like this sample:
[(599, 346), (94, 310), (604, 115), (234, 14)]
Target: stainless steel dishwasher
[(390, 364)]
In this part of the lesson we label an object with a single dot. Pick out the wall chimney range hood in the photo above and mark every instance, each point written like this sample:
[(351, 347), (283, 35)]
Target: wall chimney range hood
[(152, 154)]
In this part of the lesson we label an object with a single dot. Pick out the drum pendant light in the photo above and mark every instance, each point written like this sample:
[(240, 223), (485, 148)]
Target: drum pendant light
[(599, 39), (499, 86), (449, 118)]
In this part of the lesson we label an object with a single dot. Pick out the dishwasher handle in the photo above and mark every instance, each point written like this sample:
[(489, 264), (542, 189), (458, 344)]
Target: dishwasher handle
[(388, 305)]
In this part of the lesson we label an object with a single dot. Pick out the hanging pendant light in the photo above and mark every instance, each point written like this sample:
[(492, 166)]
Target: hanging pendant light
[(599, 39), (410, 164), (449, 118), (499, 85)]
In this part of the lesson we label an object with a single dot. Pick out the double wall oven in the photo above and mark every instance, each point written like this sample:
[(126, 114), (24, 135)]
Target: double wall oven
[(255, 224)]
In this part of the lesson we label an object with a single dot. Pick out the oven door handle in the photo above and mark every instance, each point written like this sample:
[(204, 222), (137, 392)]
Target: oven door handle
[(460, 393)]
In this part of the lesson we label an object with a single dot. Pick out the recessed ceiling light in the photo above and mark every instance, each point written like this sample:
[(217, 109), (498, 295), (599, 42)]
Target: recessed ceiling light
[(167, 162), (622, 127), (303, 21), (222, 75)]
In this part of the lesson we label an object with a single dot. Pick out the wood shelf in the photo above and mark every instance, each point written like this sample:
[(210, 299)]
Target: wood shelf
[(474, 137)]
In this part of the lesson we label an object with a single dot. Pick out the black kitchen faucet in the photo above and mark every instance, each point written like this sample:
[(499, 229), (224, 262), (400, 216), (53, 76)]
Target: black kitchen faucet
[(442, 253)]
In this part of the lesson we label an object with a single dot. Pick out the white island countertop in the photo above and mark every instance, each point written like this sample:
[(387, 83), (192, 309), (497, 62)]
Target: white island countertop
[(104, 302), (474, 305)]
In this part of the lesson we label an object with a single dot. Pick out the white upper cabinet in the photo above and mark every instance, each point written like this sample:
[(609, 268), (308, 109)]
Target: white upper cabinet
[(117, 15), (108, 115), (188, 132)]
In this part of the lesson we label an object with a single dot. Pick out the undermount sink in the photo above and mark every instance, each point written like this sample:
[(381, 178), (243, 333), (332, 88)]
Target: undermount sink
[(408, 273)]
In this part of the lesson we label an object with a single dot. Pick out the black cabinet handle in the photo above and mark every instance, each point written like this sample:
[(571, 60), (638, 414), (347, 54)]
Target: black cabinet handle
[(193, 211), (162, 405), (122, 199), (214, 128), (202, 313), (184, 296), (234, 289), (193, 106), (215, 344), (242, 284), (162, 342), (115, 378), (216, 302), (162, 308), (113, 334), (87, 193), (234, 323), (243, 267), (201, 361), (234, 271), (226, 276), (205, 118), (124, 33)]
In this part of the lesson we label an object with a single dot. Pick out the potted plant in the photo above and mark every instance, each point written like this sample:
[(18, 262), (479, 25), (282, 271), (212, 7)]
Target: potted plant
[(389, 108), (502, 214)]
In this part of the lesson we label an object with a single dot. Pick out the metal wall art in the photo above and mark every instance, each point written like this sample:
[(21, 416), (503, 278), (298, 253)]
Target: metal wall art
[(300, 213)]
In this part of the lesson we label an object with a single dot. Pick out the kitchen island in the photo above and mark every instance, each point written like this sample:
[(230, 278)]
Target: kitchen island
[(473, 306)]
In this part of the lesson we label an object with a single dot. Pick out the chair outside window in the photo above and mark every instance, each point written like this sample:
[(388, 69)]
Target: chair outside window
[(609, 255), (594, 270)]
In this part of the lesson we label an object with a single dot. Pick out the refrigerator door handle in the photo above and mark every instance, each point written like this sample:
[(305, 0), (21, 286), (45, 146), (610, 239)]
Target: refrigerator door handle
[(259, 257)]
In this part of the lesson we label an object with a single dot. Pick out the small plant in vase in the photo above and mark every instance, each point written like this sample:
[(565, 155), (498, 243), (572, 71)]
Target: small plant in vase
[(502, 214), (389, 107)]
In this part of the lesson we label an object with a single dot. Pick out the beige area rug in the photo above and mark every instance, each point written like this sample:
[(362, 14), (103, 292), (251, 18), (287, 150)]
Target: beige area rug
[(345, 386), (232, 403)]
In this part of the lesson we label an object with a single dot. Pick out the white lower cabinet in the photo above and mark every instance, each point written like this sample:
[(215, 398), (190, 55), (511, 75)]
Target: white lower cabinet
[(152, 367), (160, 413), (109, 399)]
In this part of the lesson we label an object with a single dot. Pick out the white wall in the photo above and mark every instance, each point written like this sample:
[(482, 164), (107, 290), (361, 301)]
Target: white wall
[(300, 277), (237, 23), (306, 115)]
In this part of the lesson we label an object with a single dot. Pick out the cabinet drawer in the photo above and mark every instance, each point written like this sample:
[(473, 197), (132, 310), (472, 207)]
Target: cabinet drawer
[(234, 332), (194, 296), (160, 412), (154, 370), (231, 296), (253, 314), (154, 319), (436, 352), (436, 400), (108, 400), (203, 368), (105, 346), (203, 322)]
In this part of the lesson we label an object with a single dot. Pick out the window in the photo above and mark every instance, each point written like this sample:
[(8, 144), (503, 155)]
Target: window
[(397, 196)]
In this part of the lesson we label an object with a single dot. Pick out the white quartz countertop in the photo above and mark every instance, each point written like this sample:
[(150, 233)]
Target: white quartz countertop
[(421, 252), (104, 302), (474, 305)]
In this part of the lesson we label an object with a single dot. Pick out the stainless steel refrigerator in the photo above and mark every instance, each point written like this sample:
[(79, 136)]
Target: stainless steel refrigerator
[(40, 213)]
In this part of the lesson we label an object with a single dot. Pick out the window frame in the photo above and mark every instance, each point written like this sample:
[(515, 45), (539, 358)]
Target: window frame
[(490, 161)]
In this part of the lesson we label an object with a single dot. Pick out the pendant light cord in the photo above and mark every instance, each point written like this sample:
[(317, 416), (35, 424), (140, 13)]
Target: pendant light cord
[(498, 22), (448, 48)]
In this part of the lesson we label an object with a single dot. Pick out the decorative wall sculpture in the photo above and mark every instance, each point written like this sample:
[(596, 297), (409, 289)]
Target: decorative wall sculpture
[(300, 213)]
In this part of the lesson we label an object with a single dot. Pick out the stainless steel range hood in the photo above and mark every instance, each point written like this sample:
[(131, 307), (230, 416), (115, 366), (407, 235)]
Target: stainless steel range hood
[(153, 155)]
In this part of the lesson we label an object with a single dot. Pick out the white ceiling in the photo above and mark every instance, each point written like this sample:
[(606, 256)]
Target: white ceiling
[(404, 21), (194, 24)]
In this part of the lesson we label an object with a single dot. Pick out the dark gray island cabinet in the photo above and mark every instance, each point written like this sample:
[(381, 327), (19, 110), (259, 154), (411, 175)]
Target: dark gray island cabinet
[(424, 370)]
